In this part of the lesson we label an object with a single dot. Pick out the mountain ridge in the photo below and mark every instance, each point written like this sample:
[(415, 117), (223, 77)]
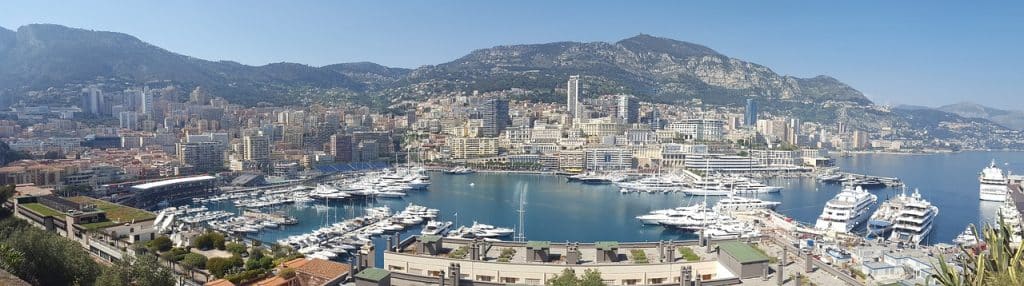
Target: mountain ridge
[(1013, 119), (660, 69)]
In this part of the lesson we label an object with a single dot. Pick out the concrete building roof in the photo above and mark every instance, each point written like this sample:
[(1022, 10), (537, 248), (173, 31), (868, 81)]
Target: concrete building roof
[(373, 274), (743, 252)]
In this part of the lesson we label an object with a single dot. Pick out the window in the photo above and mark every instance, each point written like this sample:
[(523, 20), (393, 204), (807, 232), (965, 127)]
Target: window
[(484, 278), (395, 268), (533, 281), (414, 271), (509, 280), (630, 281), (656, 281), (434, 273)]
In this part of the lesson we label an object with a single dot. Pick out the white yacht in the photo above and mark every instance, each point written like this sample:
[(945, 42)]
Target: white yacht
[(710, 187), (737, 203), (435, 227), (914, 221), (694, 221), (656, 217), (993, 183), (848, 209), (1008, 214), (967, 238), (654, 184), (751, 186)]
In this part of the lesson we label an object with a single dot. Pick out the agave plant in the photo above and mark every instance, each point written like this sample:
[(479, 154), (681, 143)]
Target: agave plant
[(1001, 264)]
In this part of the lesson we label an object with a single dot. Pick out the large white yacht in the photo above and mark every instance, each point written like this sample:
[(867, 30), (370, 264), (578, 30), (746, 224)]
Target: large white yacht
[(657, 216), (1009, 214), (737, 203), (847, 210), (993, 183), (654, 184), (710, 187), (914, 221)]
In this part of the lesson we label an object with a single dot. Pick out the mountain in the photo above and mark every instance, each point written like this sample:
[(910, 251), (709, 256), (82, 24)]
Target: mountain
[(1013, 119), (657, 69), (43, 55)]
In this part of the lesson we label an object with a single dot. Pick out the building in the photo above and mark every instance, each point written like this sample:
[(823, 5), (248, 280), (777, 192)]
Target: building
[(493, 113), (699, 129), (256, 149), (340, 146), (103, 228), (92, 100), (607, 158), (172, 191), (373, 277), (742, 259), (468, 147), (572, 96), (128, 120), (750, 114), (202, 156), (535, 262), (628, 109), (317, 272)]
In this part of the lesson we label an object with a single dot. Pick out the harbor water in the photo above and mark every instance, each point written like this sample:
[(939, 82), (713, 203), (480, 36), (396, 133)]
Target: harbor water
[(560, 211)]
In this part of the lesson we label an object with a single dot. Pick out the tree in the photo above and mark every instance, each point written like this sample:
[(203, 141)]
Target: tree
[(1002, 264), (287, 273), (219, 266), (194, 260), (235, 248), (143, 270), (203, 242), (159, 244), (591, 277), (10, 258), (49, 259)]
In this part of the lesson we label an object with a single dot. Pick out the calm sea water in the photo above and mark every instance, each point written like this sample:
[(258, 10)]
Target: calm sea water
[(557, 210)]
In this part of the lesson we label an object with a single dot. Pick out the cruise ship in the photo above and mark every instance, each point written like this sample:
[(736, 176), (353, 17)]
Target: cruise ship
[(736, 203), (993, 183), (847, 210), (914, 221)]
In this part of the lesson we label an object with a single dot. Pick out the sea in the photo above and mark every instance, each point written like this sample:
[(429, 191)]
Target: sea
[(560, 211)]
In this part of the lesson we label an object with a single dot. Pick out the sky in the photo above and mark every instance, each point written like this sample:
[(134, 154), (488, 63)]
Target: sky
[(896, 52)]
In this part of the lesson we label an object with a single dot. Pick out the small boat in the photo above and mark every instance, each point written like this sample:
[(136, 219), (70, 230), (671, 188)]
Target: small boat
[(967, 238), (436, 227)]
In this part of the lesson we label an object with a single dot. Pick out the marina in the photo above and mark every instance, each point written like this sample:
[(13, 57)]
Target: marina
[(559, 209)]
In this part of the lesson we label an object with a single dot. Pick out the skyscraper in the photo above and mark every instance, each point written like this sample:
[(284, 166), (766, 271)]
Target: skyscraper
[(256, 148), (628, 109), (341, 148), (572, 96), (750, 118), (494, 114), (92, 100), (203, 156), (145, 102)]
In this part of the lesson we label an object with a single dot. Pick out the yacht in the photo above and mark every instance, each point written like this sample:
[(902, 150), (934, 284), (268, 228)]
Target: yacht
[(654, 184), (848, 209), (967, 238), (709, 187), (993, 183), (436, 227), (730, 229), (325, 192), (694, 221), (657, 216), (1009, 215), (881, 222), (459, 171), (389, 194), (751, 186), (737, 203), (914, 221)]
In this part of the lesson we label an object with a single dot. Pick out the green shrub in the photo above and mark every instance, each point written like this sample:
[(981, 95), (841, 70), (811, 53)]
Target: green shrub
[(688, 254), (639, 256)]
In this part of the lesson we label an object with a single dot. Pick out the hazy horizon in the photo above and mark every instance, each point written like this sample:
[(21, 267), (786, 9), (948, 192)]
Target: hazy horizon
[(895, 53)]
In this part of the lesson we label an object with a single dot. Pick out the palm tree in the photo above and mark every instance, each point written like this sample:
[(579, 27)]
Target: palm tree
[(1001, 264)]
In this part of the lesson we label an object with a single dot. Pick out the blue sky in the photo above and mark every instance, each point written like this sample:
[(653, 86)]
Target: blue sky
[(897, 52)]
